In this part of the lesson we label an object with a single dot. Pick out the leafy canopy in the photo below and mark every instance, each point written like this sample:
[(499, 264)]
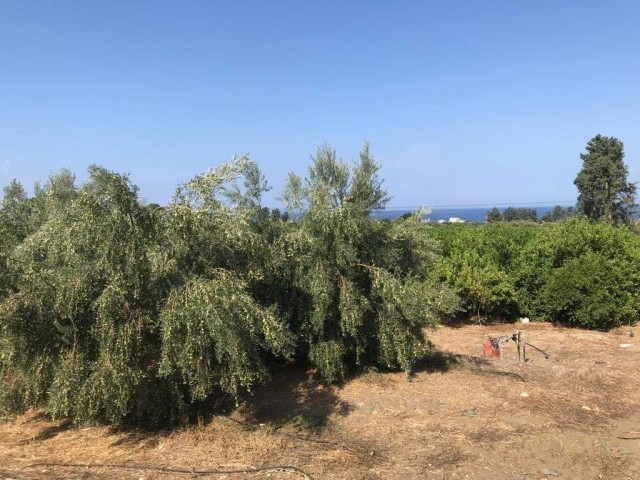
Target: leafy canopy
[(115, 311), (364, 292)]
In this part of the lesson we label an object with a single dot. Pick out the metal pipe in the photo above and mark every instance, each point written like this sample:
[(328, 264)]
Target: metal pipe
[(546, 355)]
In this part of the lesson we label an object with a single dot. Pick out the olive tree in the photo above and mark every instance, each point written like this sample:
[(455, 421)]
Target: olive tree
[(213, 328), (123, 313), (362, 296)]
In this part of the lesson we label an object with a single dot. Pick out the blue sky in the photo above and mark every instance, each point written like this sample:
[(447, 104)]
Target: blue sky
[(463, 102)]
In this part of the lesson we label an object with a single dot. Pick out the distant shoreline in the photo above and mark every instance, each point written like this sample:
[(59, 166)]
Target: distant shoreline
[(470, 214)]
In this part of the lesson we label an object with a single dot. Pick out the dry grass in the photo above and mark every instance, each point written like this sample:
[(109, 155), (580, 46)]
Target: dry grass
[(460, 416)]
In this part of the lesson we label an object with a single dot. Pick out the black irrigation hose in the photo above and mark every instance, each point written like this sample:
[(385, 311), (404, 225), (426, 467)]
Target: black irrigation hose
[(277, 468)]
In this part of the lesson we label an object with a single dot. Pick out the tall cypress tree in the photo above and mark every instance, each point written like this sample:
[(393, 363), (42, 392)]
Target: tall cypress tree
[(604, 191)]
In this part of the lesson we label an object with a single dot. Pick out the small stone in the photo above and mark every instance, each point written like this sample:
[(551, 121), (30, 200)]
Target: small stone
[(625, 345), (584, 407), (524, 394), (549, 471)]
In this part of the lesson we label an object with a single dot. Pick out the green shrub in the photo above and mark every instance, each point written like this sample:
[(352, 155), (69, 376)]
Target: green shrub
[(591, 291), (577, 272), (478, 261), (577, 265)]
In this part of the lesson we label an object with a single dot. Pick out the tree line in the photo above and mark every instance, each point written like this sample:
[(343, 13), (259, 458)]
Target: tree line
[(513, 214)]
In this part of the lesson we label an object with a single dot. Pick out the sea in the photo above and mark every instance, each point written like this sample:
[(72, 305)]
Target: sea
[(468, 214)]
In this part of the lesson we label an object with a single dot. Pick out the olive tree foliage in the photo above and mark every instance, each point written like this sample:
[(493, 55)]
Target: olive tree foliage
[(118, 312), (80, 309), (213, 327), (114, 311), (363, 291), (12, 229), (15, 208)]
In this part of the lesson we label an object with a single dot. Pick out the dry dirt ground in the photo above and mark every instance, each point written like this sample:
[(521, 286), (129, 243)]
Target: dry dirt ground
[(461, 416)]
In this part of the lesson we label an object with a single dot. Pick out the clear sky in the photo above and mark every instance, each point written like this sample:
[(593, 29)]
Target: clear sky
[(463, 102)]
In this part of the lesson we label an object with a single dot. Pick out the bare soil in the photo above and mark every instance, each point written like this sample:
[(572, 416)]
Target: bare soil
[(461, 416)]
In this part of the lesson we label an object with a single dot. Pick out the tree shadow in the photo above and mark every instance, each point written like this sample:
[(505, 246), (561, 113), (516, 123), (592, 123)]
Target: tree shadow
[(36, 416), (49, 431), (294, 395), (440, 362), (136, 437)]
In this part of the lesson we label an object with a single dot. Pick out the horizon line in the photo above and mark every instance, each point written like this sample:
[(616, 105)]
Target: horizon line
[(481, 205)]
